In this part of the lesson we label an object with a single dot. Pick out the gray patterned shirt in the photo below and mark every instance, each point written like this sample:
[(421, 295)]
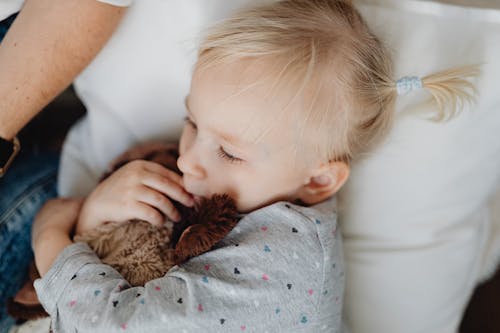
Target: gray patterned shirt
[(279, 270)]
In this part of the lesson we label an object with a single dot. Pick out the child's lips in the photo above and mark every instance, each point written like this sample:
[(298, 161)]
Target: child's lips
[(197, 199)]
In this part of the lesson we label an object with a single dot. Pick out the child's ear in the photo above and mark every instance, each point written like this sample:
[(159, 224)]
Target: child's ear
[(324, 182)]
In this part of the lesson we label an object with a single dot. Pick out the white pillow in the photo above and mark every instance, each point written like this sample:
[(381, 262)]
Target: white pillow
[(9, 7), (416, 214)]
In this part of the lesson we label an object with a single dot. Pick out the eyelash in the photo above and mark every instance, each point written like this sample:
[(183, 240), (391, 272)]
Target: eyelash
[(190, 123), (221, 152), (230, 158)]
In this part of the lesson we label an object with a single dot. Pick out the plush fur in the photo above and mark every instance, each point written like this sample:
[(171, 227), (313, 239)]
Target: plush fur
[(140, 251)]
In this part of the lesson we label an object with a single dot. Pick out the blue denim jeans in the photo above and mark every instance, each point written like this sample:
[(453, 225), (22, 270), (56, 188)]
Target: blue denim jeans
[(28, 184)]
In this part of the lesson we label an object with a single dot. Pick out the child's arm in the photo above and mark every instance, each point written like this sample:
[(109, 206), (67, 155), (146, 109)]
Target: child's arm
[(51, 229), (262, 276)]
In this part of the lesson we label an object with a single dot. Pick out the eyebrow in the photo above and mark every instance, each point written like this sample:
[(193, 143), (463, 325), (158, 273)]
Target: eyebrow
[(232, 139)]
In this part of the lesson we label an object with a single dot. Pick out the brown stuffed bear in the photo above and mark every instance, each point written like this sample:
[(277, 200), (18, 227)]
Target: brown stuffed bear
[(138, 250)]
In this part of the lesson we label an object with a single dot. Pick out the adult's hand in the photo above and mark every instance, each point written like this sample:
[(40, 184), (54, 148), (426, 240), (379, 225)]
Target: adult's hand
[(49, 43)]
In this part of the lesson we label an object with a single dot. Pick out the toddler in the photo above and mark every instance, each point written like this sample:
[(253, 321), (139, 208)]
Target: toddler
[(283, 98)]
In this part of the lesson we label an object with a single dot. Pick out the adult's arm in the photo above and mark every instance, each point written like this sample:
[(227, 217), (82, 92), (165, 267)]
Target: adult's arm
[(50, 42)]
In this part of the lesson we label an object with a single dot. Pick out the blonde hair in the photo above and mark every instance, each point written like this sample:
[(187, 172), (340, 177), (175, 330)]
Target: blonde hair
[(326, 48)]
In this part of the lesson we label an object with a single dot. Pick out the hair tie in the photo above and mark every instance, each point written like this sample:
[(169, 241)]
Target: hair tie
[(408, 83)]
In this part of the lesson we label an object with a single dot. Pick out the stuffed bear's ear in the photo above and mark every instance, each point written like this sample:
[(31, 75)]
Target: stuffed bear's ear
[(25, 305), (193, 241), (209, 223), (24, 311), (198, 239), (165, 154)]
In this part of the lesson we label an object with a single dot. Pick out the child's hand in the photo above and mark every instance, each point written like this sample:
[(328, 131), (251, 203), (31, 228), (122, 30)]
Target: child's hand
[(138, 190)]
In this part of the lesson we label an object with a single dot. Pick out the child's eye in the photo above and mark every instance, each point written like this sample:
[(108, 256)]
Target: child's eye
[(225, 155), (190, 122)]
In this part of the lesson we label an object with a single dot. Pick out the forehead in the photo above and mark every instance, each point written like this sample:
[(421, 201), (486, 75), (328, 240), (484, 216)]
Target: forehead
[(245, 96)]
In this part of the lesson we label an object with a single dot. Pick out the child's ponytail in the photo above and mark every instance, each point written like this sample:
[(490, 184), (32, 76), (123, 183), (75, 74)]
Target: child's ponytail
[(451, 89)]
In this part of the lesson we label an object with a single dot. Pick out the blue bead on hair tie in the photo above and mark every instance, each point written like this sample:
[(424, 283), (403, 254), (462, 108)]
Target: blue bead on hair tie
[(408, 83)]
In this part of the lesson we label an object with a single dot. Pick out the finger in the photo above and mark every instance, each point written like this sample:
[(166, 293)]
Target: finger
[(161, 170), (160, 202), (147, 213), (169, 187)]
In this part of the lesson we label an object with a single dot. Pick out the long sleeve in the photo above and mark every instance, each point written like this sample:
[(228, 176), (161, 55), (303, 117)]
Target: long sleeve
[(268, 274)]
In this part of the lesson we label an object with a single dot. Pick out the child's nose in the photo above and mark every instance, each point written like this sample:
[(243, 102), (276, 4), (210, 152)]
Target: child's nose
[(189, 164)]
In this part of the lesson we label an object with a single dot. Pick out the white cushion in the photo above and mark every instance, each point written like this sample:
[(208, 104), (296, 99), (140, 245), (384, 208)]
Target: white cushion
[(417, 213), (9, 7)]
